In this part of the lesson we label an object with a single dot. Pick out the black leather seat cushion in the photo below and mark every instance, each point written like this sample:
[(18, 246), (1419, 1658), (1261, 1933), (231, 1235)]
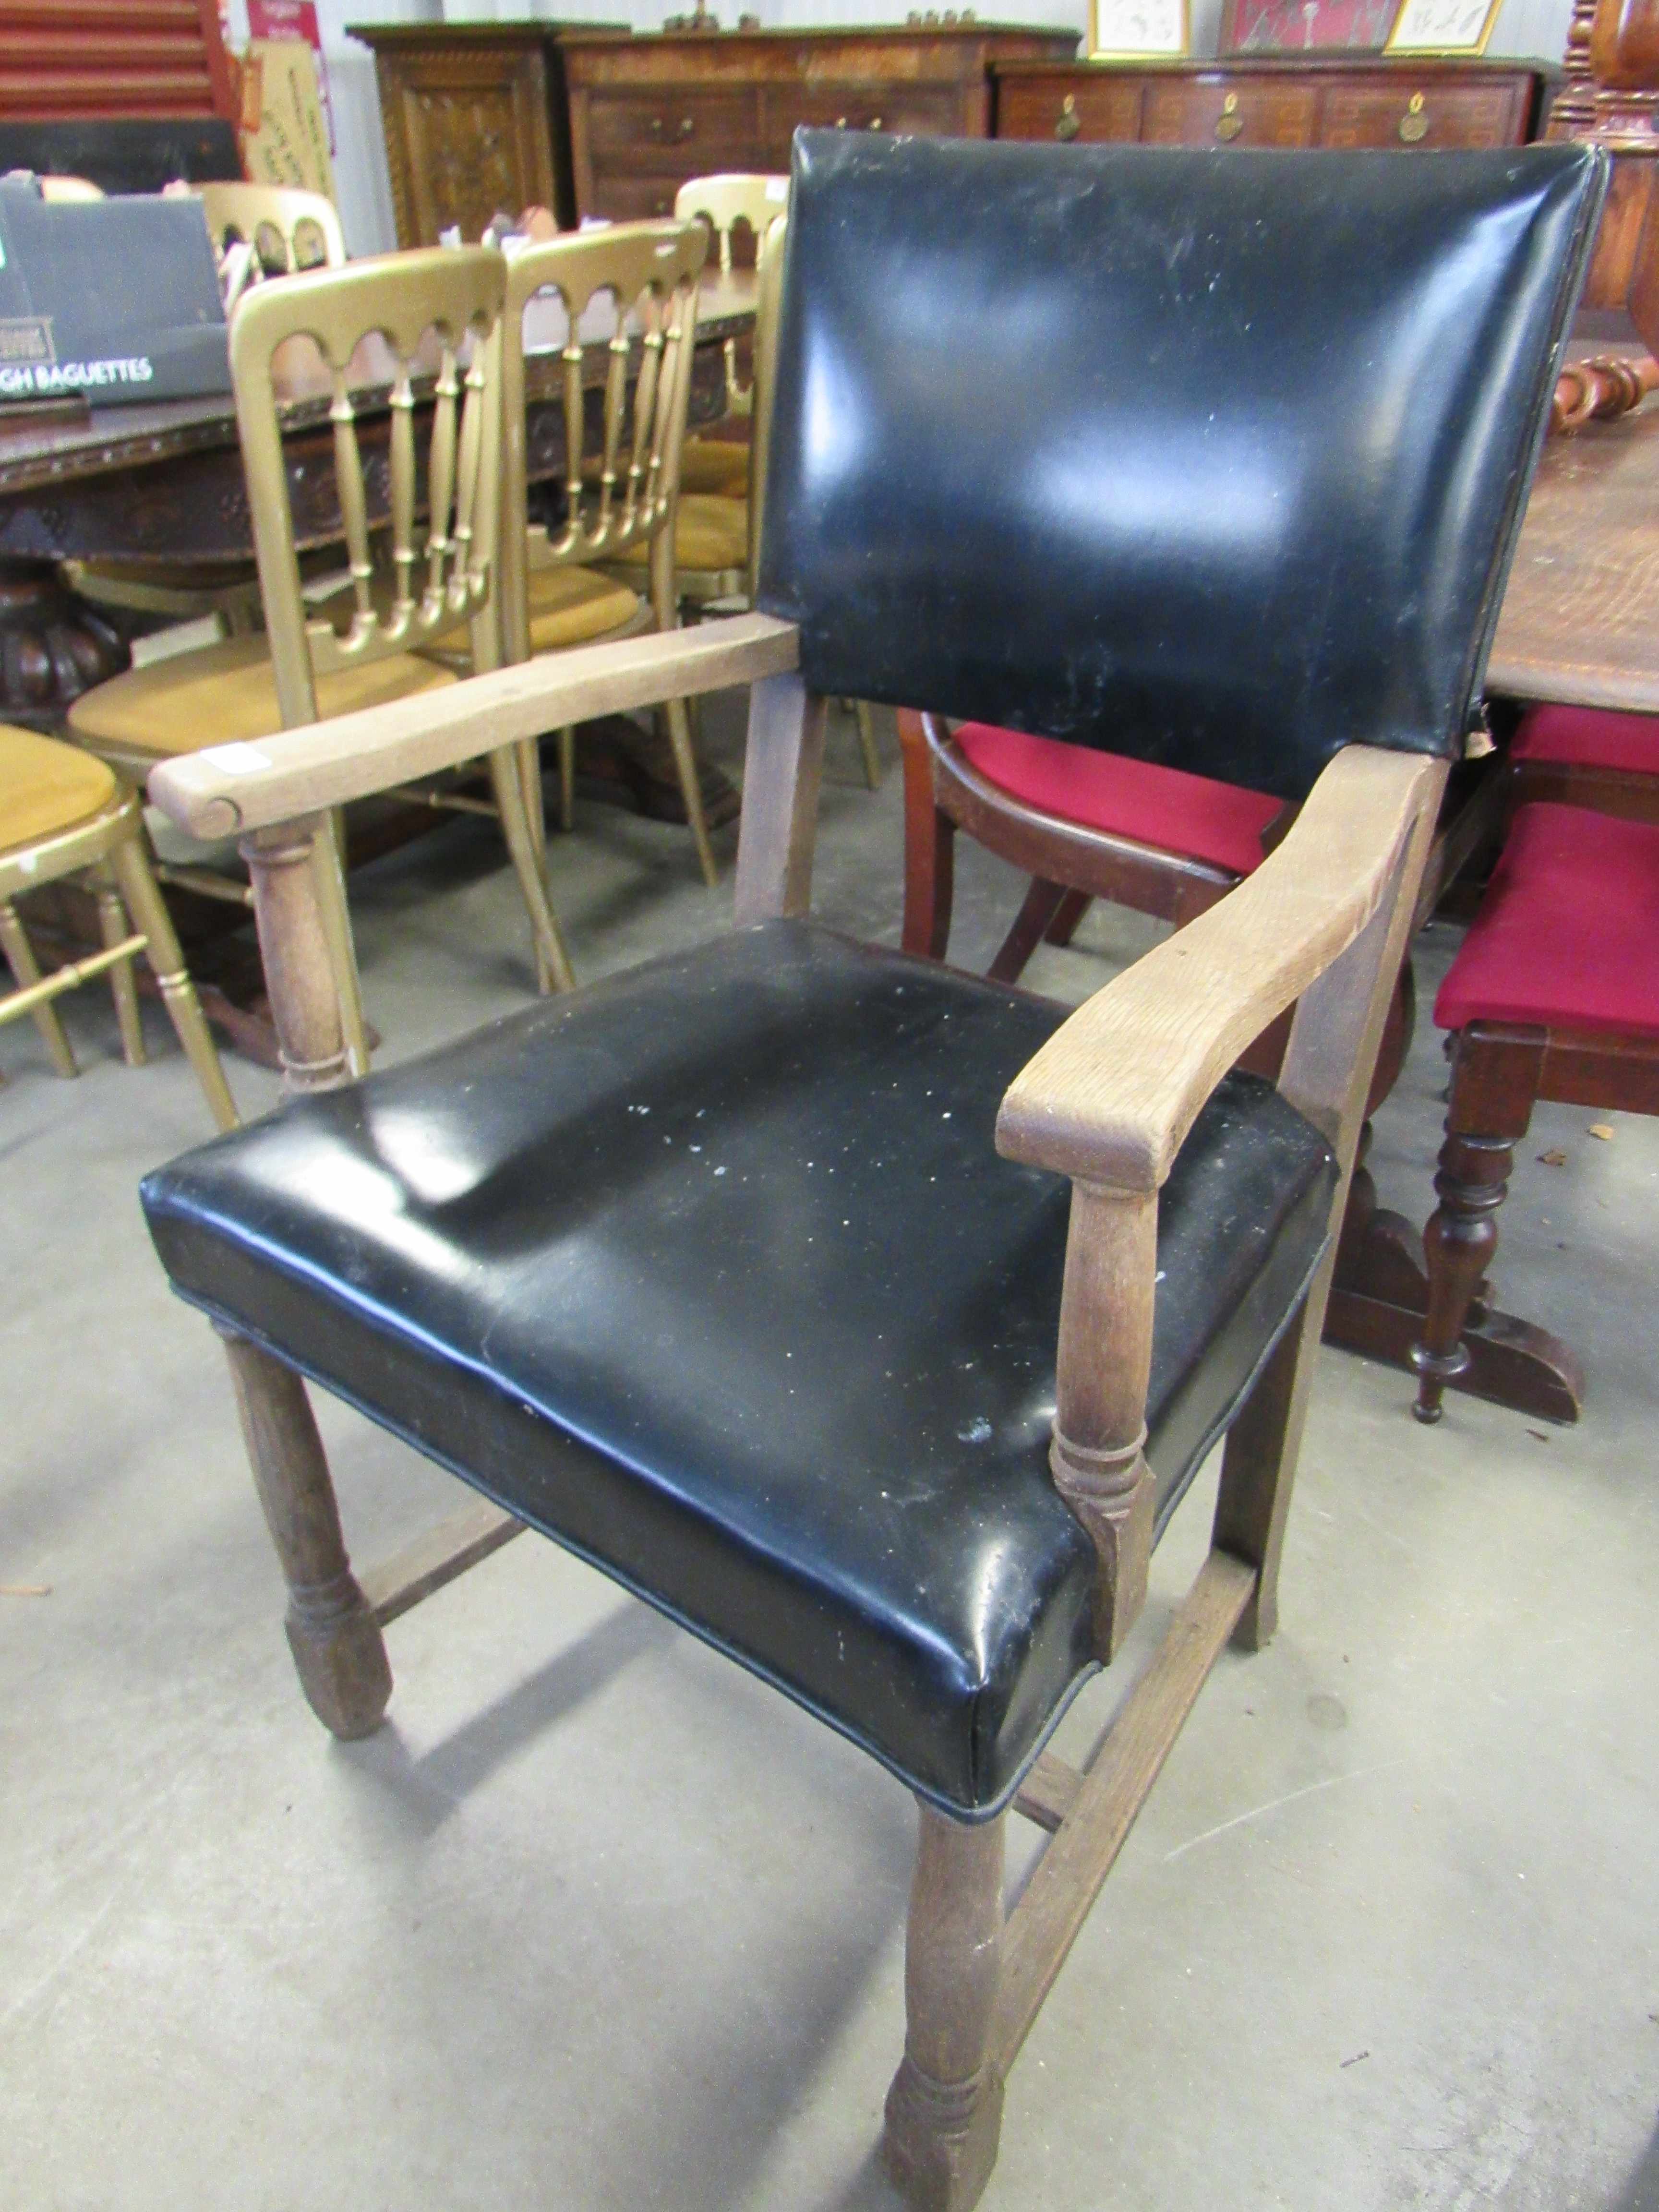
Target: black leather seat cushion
[(734, 1222)]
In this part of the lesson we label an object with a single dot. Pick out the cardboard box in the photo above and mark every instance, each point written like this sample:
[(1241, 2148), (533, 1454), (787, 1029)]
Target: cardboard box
[(284, 131), (116, 299)]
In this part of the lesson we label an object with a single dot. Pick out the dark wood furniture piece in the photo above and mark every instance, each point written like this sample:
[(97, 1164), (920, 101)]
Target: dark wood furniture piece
[(1340, 101), (125, 153), (713, 1272), (1554, 994), (476, 122), (648, 113)]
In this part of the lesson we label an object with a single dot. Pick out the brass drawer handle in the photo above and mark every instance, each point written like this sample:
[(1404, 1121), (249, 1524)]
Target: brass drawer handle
[(1413, 124), (688, 125), (1070, 121), (1229, 121)]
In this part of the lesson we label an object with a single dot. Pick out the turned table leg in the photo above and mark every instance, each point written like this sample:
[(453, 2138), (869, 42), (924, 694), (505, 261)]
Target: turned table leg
[(336, 1641), (945, 2108)]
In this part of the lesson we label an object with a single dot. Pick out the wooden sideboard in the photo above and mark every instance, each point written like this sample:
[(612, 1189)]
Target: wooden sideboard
[(648, 112), (1346, 101), (476, 122)]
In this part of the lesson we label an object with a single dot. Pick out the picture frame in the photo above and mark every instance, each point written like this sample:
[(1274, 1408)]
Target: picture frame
[(1303, 26), (1443, 27), (1140, 30)]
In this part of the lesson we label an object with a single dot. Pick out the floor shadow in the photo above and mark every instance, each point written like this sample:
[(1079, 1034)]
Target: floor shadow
[(1641, 2192), (431, 1787)]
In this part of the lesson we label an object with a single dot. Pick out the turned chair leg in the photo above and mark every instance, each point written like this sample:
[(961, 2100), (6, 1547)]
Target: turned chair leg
[(943, 2114), (553, 969), (20, 953), (113, 928), (336, 1641), (929, 848), (142, 896), (867, 743), (1494, 1085), (685, 760)]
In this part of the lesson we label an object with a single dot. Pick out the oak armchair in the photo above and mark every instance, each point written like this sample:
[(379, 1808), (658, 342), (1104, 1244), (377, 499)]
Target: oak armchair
[(713, 1272)]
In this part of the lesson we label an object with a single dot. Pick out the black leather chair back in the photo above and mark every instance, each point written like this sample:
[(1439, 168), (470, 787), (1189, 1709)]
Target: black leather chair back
[(1216, 459)]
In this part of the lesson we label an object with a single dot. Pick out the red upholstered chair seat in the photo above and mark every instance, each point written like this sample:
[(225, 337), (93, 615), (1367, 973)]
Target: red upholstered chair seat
[(1163, 807), (1567, 935), (1589, 737)]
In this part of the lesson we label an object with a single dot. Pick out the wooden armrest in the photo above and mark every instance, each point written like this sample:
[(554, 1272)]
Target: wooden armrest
[(226, 789), (1109, 1098)]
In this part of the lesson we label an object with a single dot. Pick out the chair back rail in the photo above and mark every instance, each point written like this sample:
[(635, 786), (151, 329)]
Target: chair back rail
[(649, 272), (456, 296), (736, 200), (288, 229)]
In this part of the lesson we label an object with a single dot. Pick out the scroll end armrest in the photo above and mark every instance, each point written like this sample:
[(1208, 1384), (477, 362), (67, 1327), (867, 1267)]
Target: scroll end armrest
[(226, 790)]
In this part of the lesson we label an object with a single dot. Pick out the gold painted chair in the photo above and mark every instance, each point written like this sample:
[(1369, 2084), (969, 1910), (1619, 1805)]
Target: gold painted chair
[(62, 813), (289, 230), (235, 694), (728, 204), (619, 506)]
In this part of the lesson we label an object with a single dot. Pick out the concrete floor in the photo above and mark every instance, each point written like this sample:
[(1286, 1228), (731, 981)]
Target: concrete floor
[(597, 1921)]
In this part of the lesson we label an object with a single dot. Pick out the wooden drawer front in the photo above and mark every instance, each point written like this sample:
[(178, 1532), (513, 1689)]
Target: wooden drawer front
[(1446, 115), (923, 111), (1105, 109), (624, 196), (1210, 111), (697, 132)]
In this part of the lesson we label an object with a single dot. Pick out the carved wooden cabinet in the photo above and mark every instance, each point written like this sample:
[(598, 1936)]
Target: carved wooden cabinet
[(477, 122), (648, 112), (1346, 101)]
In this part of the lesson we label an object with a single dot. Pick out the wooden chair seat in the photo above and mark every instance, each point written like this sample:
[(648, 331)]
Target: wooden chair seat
[(1166, 808), (46, 787), (567, 607), (715, 464), (770, 1159), (710, 533), (227, 694), (1566, 933)]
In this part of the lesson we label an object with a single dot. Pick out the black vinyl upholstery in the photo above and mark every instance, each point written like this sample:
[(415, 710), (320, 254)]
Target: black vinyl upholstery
[(1212, 459), (733, 1223)]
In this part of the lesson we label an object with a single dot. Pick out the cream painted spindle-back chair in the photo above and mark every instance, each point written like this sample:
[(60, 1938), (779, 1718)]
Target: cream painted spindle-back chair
[(404, 311), (289, 230)]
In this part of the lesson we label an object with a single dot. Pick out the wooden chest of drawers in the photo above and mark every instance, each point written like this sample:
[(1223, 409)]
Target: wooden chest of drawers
[(647, 112), (1344, 100)]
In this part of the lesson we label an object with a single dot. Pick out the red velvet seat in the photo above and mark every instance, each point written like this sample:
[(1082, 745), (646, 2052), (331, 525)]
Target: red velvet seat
[(1165, 807), (1567, 935), (1589, 737)]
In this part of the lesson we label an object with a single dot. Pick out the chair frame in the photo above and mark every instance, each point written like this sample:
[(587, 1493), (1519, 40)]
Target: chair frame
[(110, 845), (651, 270), (1323, 925), (251, 210)]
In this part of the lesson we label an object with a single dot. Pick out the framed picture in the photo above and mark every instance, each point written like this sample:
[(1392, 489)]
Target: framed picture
[(1443, 27), (1140, 30), (1300, 27)]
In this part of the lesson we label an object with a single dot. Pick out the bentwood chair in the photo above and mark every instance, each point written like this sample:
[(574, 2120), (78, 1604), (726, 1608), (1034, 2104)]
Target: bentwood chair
[(617, 505), (62, 814), (244, 690), (899, 1437)]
